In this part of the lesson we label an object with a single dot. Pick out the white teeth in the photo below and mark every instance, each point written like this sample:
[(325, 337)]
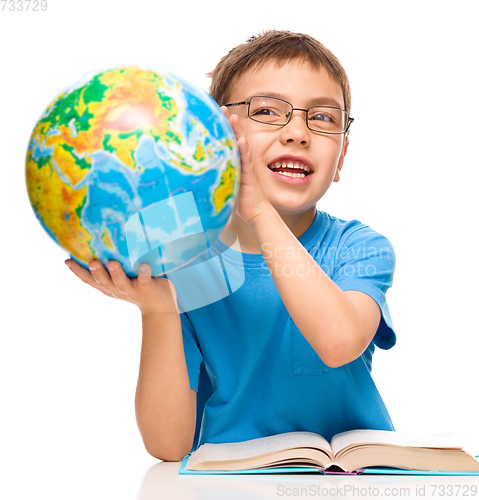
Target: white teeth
[(289, 174), (290, 164)]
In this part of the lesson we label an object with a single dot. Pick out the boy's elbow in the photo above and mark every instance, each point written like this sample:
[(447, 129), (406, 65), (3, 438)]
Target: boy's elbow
[(169, 453), (168, 456), (334, 362), (338, 355)]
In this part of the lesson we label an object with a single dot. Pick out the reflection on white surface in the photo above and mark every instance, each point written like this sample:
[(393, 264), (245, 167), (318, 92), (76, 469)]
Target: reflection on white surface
[(162, 481)]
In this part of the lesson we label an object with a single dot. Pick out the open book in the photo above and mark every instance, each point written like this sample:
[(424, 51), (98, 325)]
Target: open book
[(348, 452)]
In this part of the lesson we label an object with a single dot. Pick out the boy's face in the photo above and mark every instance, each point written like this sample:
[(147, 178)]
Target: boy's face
[(303, 85)]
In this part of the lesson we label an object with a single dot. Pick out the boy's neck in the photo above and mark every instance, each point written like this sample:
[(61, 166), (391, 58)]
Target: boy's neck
[(297, 224)]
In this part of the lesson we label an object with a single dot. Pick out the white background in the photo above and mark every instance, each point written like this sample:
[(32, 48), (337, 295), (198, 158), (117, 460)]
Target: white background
[(69, 356)]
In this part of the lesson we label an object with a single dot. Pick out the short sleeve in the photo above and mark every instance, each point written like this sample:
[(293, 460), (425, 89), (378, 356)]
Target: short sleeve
[(365, 261), (193, 354)]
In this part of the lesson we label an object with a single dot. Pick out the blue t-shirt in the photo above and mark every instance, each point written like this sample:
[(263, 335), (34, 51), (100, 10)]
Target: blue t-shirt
[(255, 373)]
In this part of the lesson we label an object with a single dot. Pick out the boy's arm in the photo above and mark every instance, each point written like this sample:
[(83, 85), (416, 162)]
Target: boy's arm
[(165, 404), (338, 324)]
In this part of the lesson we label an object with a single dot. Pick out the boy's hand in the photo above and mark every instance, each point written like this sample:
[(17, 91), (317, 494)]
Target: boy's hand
[(251, 199), (150, 295)]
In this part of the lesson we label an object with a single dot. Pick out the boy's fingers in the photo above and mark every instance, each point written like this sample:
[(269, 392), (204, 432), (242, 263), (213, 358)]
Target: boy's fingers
[(85, 275), (243, 146), (81, 272), (144, 274), (245, 157), (236, 126), (225, 111), (102, 277), (119, 278)]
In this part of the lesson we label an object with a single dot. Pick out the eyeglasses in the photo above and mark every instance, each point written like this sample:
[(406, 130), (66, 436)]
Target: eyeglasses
[(273, 111)]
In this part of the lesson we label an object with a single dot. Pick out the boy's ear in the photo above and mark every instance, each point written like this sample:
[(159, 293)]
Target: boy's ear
[(341, 159)]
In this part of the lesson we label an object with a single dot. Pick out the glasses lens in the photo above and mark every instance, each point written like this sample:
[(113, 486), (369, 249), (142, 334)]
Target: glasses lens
[(329, 120), (269, 110)]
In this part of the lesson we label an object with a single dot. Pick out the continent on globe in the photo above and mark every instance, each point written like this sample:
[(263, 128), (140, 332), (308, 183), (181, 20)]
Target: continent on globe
[(135, 166)]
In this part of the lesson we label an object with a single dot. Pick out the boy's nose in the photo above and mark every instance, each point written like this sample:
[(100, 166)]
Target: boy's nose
[(296, 129)]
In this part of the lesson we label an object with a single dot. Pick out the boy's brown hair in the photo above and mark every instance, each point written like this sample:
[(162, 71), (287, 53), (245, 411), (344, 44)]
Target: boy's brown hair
[(279, 46)]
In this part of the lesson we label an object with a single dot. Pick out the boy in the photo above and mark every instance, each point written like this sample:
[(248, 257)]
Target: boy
[(291, 349)]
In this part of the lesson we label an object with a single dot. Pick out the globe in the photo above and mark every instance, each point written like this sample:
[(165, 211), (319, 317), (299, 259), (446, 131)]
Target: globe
[(133, 165)]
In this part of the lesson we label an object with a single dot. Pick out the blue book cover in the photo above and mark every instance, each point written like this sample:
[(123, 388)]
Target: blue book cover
[(314, 470)]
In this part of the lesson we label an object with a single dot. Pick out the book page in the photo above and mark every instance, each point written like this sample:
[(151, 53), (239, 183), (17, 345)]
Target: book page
[(362, 436), (294, 457), (260, 446)]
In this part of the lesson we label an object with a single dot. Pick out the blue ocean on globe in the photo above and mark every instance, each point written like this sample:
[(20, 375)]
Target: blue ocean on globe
[(135, 166)]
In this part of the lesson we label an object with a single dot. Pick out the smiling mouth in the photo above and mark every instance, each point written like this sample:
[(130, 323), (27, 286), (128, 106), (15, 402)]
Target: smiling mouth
[(290, 168)]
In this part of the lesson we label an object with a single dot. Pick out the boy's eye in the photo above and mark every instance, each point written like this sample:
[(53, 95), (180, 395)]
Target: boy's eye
[(265, 112), (324, 117)]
